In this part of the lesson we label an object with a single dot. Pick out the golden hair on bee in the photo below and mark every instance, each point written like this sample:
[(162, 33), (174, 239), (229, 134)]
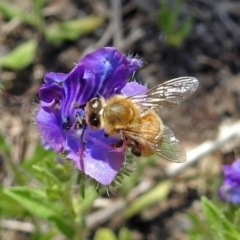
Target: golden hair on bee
[(118, 114)]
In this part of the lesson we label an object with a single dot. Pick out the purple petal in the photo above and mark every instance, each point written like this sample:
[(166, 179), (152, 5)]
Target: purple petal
[(232, 173), (133, 88), (49, 129), (55, 77), (100, 161), (48, 93), (103, 165), (107, 70), (229, 193), (236, 166)]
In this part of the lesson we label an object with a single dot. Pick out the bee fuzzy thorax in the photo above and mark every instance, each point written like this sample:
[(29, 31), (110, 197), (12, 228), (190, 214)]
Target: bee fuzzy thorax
[(119, 113)]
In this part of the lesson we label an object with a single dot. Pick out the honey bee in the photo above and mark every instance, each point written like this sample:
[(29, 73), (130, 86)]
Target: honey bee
[(136, 119)]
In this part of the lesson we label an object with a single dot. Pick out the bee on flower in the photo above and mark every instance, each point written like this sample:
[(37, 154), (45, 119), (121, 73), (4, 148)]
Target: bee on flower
[(93, 113)]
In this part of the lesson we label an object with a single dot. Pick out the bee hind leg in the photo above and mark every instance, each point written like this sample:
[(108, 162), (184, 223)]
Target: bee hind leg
[(136, 152), (136, 149)]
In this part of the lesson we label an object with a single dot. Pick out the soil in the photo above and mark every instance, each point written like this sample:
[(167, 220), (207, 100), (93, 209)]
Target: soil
[(211, 53)]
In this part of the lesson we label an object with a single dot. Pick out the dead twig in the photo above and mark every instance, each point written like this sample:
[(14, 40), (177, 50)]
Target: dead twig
[(226, 135), (18, 226)]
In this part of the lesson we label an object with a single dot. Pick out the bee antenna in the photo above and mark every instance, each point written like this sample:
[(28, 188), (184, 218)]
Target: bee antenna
[(99, 95)]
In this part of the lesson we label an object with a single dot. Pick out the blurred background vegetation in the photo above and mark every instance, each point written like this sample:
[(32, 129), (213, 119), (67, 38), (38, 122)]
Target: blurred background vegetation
[(39, 196)]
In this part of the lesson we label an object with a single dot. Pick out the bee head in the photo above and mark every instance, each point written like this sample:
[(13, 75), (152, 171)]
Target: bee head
[(93, 116)]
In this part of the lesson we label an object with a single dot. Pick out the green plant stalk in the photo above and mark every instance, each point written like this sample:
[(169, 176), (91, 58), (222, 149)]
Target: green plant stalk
[(16, 169), (168, 22), (7, 154), (68, 198), (158, 193), (78, 221), (80, 229), (80, 182)]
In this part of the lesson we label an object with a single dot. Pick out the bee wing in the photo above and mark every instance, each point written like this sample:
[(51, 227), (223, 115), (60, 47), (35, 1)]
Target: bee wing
[(170, 147), (168, 95)]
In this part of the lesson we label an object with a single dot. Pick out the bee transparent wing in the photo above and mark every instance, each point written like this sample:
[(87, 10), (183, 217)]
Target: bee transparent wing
[(168, 95), (170, 147)]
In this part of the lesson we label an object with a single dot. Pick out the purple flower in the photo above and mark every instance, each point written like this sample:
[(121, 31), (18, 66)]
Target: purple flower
[(104, 72), (230, 190)]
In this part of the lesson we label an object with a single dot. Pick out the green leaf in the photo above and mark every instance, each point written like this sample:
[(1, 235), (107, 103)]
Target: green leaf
[(44, 236), (176, 39), (104, 234), (83, 204), (39, 4), (166, 17), (169, 22), (236, 218), (10, 11), (4, 147), (45, 173), (21, 56), (73, 29), (185, 29), (10, 207), (218, 221), (36, 202), (125, 234), (157, 194), (40, 155)]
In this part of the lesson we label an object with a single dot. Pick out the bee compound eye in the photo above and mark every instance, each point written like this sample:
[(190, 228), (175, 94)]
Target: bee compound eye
[(94, 121)]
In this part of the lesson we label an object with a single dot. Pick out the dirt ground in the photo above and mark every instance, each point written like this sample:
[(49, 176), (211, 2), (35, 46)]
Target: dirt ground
[(210, 53)]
